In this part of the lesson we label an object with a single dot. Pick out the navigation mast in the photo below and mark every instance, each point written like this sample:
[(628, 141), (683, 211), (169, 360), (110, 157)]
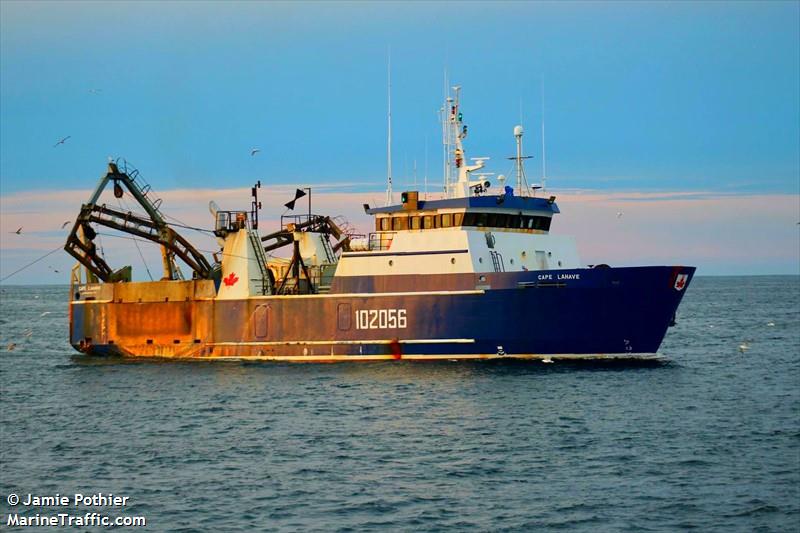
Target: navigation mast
[(389, 135), (544, 159), (457, 182)]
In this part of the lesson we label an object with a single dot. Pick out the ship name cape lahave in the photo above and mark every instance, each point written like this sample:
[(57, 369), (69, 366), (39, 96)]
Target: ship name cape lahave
[(558, 277)]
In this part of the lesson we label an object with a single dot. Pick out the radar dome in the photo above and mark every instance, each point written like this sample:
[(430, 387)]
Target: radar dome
[(518, 131)]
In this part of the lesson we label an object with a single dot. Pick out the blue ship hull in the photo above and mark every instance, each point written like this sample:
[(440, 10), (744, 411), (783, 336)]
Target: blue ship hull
[(562, 313)]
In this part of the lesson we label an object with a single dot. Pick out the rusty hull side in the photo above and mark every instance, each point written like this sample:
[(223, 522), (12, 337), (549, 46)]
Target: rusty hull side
[(160, 318), (183, 320)]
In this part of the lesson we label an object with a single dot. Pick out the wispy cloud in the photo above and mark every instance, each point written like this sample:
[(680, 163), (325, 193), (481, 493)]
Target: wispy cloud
[(720, 233)]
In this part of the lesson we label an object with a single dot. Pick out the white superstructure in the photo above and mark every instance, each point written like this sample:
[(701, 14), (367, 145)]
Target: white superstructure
[(472, 230)]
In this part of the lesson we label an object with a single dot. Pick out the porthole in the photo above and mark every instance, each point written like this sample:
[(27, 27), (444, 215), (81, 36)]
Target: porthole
[(559, 263), (512, 261), (524, 254), (452, 260), (391, 263), (549, 254), (480, 260)]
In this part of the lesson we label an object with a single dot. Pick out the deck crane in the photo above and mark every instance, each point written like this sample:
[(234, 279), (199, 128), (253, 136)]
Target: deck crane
[(80, 243)]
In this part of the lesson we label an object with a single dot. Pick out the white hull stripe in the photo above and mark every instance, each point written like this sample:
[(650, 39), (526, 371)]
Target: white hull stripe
[(317, 343), (299, 296), (365, 295), (381, 254)]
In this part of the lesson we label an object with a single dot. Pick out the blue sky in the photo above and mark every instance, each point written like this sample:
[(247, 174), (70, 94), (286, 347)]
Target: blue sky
[(641, 97)]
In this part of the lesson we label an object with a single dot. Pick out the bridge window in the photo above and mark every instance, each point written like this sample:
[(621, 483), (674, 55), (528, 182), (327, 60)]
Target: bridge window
[(399, 223), (503, 220), (542, 223), (449, 220)]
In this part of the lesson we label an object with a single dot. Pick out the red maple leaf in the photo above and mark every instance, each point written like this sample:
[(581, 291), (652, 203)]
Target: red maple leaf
[(681, 282), (230, 280)]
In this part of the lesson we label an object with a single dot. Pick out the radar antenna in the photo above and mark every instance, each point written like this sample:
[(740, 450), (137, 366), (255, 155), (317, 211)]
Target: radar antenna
[(522, 184)]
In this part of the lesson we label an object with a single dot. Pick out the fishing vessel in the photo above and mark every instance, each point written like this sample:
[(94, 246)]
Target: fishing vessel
[(475, 274)]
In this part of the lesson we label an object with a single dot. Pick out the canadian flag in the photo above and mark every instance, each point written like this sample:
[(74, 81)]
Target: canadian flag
[(680, 281)]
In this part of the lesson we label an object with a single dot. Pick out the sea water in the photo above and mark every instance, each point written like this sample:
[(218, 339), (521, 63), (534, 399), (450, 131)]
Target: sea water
[(707, 440)]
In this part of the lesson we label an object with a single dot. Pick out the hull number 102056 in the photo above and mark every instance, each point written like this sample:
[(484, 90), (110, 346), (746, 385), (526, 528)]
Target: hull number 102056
[(381, 319)]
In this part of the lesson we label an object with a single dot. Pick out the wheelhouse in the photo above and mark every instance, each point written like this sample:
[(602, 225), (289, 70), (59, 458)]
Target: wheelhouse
[(506, 212)]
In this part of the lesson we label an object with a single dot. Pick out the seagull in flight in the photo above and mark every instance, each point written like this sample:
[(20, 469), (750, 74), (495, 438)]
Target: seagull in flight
[(62, 141), (18, 232), (65, 224), (254, 151)]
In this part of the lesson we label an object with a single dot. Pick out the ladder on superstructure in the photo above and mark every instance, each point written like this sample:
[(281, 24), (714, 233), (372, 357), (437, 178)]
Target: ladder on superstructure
[(329, 255), (497, 261), (261, 259)]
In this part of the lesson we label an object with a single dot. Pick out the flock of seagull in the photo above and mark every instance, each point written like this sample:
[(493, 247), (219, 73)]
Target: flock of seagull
[(28, 333), (19, 229)]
